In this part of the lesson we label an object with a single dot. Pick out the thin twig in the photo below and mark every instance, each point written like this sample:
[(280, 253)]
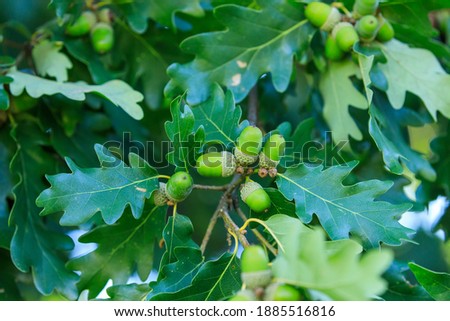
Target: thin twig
[(211, 187), (229, 224), (253, 106), (237, 179), (257, 234)]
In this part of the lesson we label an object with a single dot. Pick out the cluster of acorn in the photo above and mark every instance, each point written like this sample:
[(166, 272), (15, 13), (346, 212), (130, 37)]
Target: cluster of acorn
[(249, 150), (257, 278), (99, 27), (363, 24)]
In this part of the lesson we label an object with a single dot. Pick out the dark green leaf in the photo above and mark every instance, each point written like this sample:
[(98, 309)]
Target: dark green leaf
[(298, 145), (437, 284), (34, 245), (214, 281), (4, 99), (128, 292), (219, 117), (400, 288), (67, 6), (385, 127), (344, 210), (186, 142), (255, 42), (164, 11), (108, 189), (6, 231), (117, 257)]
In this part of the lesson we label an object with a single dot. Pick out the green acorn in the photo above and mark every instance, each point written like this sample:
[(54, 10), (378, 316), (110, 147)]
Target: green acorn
[(364, 8), (159, 196), (385, 31), (82, 25), (345, 35), (270, 156), (367, 28), (255, 271), (332, 50), (243, 295), (255, 196), (281, 292), (216, 164), (102, 37), (322, 15), (248, 145), (179, 186)]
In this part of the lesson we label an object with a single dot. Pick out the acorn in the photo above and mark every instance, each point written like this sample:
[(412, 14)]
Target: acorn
[(385, 31), (281, 292), (159, 196), (104, 15), (248, 146), (345, 35), (243, 295), (332, 50), (322, 15), (255, 196), (179, 186), (367, 28), (82, 25), (102, 37), (364, 8), (270, 156), (255, 271), (216, 164)]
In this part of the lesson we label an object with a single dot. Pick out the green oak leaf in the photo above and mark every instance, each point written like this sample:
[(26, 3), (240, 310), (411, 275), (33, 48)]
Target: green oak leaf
[(49, 61), (4, 98), (81, 50), (344, 210), (219, 117), (6, 153), (297, 145), (255, 42), (145, 65), (213, 281), (128, 292), (116, 91), (34, 245), (65, 6), (137, 12), (365, 64), (186, 142), (339, 94), (177, 233), (403, 74), (335, 270), (108, 189), (400, 288), (117, 257), (164, 11), (437, 284), (184, 274), (385, 127)]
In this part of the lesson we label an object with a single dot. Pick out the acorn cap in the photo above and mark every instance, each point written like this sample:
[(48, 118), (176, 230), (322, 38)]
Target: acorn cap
[(248, 188), (244, 159), (333, 19), (256, 279), (159, 195), (266, 162), (228, 164)]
